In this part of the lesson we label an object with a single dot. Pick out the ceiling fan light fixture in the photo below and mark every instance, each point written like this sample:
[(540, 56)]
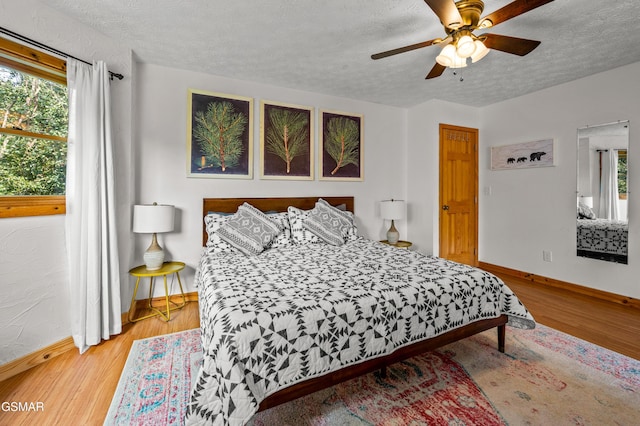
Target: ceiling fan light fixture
[(458, 62), (485, 23), (480, 52), (466, 46), (447, 56), (460, 19)]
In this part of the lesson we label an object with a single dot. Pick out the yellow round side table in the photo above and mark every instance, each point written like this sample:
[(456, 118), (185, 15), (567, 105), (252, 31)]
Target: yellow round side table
[(167, 268), (400, 244)]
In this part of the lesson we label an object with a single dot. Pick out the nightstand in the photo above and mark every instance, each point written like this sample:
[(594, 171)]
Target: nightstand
[(167, 268), (400, 244)]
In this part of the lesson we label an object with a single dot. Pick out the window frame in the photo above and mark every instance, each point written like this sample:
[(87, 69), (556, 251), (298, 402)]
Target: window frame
[(42, 65)]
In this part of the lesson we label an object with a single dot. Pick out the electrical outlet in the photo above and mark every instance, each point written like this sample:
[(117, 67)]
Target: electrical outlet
[(546, 255)]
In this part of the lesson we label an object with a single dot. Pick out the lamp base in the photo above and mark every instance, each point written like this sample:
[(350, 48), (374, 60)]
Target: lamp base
[(393, 236), (154, 256)]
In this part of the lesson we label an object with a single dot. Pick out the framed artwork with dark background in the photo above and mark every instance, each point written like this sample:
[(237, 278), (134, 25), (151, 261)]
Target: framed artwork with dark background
[(341, 146), (286, 141), (219, 135)]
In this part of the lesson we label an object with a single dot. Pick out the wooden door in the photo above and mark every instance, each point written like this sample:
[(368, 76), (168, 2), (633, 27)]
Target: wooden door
[(459, 194)]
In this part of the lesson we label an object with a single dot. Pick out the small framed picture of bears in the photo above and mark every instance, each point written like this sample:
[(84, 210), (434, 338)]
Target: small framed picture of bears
[(523, 155)]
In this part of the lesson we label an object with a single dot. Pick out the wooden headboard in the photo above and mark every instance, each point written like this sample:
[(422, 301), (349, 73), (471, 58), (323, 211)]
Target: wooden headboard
[(279, 204)]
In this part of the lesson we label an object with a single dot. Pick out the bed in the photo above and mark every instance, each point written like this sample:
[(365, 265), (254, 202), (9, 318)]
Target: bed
[(303, 315), (603, 239)]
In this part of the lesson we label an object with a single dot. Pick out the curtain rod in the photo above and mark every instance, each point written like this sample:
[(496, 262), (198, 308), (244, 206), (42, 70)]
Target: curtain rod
[(51, 49)]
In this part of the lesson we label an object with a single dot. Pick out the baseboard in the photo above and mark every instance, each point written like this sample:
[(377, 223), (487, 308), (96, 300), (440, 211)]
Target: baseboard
[(43, 355), (26, 362), (570, 287)]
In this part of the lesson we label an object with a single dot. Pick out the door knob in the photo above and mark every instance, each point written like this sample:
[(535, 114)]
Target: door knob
[(445, 207)]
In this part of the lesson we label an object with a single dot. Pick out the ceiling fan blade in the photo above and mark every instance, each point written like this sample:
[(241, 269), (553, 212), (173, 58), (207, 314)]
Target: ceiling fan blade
[(513, 9), (514, 45), (436, 71), (405, 49), (447, 12)]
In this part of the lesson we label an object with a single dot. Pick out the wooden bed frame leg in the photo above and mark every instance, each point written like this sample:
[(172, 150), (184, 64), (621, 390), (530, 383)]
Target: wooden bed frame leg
[(501, 336), (383, 372)]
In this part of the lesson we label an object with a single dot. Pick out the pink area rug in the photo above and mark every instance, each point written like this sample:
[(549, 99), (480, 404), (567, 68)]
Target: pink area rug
[(546, 377)]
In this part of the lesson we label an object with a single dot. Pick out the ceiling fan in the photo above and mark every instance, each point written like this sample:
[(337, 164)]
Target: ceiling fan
[(460, 19)]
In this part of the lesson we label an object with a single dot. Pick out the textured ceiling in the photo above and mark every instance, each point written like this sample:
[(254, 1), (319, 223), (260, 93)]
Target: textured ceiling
[(326, 46)]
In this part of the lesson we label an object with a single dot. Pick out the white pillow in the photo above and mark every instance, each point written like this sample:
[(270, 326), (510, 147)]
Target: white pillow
[(283, 239), (299, 234), (213, 221)]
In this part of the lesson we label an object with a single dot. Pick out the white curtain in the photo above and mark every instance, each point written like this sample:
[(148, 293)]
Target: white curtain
[(92, 247), (609, 186)]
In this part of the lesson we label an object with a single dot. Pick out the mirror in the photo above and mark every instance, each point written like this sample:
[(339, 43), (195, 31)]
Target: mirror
[(602, 220)]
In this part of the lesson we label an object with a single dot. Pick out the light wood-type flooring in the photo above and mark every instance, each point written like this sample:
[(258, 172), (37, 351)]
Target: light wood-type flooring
[(77, 389)]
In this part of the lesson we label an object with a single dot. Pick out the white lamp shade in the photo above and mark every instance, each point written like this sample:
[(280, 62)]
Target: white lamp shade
[(587, 201), (480, 52), (466, 47), (447, 56), (153, 218), (458, 62), (392, 209)]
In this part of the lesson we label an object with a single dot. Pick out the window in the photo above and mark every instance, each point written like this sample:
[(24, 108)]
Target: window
[(33, 131), (622, 174)]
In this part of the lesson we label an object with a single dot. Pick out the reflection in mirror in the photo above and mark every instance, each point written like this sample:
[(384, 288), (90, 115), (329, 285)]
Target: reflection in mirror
[(602, 220)]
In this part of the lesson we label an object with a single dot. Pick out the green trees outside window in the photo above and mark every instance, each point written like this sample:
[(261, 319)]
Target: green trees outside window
[(33, 132), (622, 173)]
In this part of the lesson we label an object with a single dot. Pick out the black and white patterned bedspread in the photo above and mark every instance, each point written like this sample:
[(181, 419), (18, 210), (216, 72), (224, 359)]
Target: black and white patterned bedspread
[(603, 236), (298, 312)]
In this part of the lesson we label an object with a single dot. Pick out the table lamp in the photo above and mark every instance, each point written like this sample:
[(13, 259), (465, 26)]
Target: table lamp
[(587, 200), (151, 219), (392, 210)]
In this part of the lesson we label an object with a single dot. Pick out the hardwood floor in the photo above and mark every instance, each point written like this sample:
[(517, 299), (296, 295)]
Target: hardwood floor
[(77, 389), (609, 324)]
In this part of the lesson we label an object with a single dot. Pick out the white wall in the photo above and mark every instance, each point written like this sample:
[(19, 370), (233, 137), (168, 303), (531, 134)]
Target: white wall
[(161, 138), (535, 209), (34, 307), (423, 167)]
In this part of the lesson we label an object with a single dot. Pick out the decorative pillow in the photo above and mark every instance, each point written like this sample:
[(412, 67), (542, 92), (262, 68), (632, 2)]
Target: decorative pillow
[(585, 212), (249, 230), (283, 239), (213, 221), (299, 234), (352, 233), (328, 223)]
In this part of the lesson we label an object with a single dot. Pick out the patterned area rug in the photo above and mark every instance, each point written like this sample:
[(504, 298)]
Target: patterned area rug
[(546, 377)]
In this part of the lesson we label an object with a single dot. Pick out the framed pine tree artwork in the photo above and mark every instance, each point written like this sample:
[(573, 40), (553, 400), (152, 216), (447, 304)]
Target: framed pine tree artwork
[(219, 135), (286, 141), (341, 146)]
